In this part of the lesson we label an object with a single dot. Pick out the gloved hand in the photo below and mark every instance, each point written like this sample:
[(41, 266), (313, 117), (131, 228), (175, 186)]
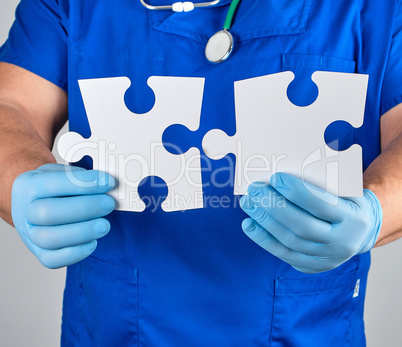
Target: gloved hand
[(56, 210), (308, 228)]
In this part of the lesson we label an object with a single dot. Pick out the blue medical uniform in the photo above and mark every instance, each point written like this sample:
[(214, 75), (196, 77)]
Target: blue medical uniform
[(193, 278)]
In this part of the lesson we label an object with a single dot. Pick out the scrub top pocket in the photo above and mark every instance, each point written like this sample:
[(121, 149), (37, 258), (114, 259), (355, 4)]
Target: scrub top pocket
[(106, 304), (302, 90), (315, 312)]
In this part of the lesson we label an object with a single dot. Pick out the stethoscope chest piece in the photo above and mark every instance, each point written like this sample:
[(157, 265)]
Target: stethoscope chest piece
[(219, 47)]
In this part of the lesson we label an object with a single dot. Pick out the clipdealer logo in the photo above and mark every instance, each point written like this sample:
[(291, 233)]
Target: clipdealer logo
[(131, 170)]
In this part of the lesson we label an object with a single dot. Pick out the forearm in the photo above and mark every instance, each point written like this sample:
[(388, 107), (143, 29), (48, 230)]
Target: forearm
[(384, 178), (22, 149)]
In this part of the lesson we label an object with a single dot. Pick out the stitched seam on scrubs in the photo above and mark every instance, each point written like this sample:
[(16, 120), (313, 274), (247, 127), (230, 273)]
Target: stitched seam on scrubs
[(317, 285), (154, 26), (327, 66), (273, 32), (391, 104), (203, 39), (300, 28), (271, 330), (349, 285), (136, 308), (72, 276), (178, 33), (130, 272), (32, 68), (390, 51), (294, 60), (79, 296), (252, 35)]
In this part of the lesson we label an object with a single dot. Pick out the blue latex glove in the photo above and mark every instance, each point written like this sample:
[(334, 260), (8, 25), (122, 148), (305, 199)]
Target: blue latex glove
[(57, 212), (308, 228)]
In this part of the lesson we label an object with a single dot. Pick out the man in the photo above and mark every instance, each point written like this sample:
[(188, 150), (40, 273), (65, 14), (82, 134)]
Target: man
[(193, 278)]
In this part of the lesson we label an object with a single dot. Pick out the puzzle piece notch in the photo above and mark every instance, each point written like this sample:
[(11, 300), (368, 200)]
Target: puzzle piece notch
[(153, 191), (176, 132), (129, 146), (303, 82), (139, 97), (332, 135), (295, 141)]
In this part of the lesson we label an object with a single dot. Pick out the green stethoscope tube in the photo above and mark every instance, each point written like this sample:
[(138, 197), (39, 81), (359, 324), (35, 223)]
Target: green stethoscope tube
[(230, 15)]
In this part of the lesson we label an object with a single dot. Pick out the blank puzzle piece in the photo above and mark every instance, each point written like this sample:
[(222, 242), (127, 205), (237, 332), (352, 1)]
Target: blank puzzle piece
[(274, 135), (129, 146)]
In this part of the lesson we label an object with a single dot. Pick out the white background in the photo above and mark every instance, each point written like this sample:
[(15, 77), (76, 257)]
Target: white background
[(31, 296)]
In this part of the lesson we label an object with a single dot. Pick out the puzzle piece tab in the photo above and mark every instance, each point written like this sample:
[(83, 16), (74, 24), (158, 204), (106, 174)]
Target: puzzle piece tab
[(129, 146), (274, 135)]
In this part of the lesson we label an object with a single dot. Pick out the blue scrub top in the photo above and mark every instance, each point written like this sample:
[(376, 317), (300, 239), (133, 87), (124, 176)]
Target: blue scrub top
[(193, 278)]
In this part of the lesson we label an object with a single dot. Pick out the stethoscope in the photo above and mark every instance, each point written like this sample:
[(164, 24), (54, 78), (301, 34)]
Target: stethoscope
[(220, 45)]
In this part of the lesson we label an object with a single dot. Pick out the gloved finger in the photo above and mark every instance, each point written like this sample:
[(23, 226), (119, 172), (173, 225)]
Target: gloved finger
[(67, 235), (70, 183), (55, 259), (264, 201), (319, 203), (264, 239), (288, 238), (58, 167), (57, 211)]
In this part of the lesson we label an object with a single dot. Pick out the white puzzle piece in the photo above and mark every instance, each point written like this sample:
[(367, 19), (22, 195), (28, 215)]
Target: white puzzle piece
[(129, 146), (274, 135)]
